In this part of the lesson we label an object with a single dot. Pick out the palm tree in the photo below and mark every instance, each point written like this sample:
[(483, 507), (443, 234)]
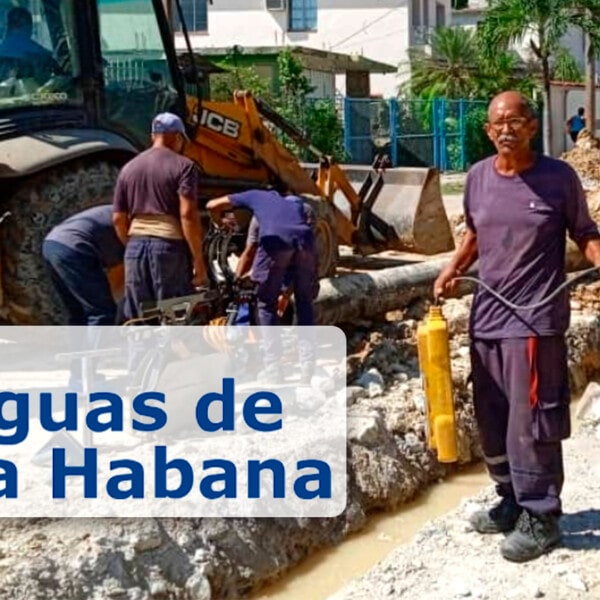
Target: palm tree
[(448, 70), (544, 23), (455, 68)]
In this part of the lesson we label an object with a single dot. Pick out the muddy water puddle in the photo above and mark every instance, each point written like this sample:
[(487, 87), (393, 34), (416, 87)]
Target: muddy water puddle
[(325, 572)]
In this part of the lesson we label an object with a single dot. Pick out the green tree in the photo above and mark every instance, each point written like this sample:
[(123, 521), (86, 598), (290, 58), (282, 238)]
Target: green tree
[(455, 68), (565, 67), (223, 85), (543, 23), (317, 118)]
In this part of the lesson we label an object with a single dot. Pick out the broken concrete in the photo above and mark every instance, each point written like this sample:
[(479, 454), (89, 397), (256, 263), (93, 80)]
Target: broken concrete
[(389, 464)]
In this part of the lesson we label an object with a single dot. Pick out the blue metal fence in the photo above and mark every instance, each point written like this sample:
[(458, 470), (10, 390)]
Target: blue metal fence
[(446, 134)]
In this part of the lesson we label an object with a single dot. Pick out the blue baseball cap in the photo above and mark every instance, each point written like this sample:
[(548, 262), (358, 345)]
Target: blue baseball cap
[(168, 123)]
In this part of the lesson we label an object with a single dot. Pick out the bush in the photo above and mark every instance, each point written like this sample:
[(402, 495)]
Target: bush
[(477, 143)]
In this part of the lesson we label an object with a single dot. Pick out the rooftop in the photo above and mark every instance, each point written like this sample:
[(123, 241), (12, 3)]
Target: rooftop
[(311, 58)]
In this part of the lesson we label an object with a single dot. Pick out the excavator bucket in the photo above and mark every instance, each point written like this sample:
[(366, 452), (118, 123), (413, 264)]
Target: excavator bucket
[(402, 209)]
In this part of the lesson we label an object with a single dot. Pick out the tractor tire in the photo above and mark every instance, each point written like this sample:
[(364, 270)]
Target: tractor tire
[(326, 234), (37, 205)]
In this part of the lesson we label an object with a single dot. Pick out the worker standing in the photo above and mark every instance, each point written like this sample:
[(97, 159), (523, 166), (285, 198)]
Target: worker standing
[(576, 124), (79, 252), (156, 216), (518, 208), (286, 247)]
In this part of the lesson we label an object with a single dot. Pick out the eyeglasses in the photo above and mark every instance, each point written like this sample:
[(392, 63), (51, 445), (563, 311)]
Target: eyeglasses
[(514, 124)]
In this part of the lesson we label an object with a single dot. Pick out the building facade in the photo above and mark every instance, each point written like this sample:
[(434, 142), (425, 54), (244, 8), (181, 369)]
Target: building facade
[(573, 41), (379, 30)]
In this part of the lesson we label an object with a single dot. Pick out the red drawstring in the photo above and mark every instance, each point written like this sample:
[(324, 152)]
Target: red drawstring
[(532, 344)]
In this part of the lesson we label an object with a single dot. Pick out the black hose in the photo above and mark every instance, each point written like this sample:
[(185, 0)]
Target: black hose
[(543, 302)]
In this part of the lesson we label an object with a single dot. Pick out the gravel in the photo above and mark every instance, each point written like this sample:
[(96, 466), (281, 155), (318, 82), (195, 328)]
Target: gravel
[(446, 559), (388, 465)]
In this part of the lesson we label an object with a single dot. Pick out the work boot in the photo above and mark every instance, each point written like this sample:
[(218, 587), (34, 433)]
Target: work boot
[(500, 518), (534, 535)]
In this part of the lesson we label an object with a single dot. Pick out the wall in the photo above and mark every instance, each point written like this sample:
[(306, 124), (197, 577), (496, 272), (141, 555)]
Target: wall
[(566, 98), (377, 29)]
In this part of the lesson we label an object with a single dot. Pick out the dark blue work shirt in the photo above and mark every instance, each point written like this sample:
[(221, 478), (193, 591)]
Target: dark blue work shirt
[(284, 221), (91, 233)]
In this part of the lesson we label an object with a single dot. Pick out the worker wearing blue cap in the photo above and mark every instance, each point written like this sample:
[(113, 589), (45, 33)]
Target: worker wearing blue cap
[(156, 216)]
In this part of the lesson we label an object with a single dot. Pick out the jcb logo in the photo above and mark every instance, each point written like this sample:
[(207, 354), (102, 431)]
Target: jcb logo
[(220, 124)]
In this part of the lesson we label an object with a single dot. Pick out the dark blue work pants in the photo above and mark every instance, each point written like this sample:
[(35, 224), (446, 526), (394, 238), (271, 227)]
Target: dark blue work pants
[(155, 269), (80, 281), (298, 267), (521, 397)]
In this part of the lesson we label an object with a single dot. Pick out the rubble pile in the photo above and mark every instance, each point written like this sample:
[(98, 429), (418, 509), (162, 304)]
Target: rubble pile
[(458, 227), (585, 298), (584, 157), (180, 559)]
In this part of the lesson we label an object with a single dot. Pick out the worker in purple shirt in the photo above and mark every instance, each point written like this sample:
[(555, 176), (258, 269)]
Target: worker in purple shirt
[(518, 207), (156, 217), (286, 250), (79, 253)]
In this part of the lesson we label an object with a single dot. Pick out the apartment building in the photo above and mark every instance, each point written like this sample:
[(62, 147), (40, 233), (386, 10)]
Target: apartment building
[(379, 30)]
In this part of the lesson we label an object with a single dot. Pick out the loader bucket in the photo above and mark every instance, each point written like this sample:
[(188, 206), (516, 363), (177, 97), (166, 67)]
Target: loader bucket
[(407, 212)]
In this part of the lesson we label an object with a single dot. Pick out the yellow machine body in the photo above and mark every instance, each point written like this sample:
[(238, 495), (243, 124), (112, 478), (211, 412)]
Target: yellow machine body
[(436, 374)]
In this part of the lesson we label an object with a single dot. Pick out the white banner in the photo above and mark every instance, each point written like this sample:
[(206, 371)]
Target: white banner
[(172, 421)]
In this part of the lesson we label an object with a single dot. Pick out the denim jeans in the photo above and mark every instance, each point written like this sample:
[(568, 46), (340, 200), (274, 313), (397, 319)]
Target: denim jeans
[(81, 283), (155, 269)]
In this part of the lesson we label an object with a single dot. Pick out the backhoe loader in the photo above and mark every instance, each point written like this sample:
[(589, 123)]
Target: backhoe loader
[(69, 122)]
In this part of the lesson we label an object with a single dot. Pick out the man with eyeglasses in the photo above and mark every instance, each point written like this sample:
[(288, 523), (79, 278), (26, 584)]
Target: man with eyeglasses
[(156, 217), (518, 207)]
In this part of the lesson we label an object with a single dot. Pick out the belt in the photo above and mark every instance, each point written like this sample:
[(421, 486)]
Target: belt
[(162, 226)]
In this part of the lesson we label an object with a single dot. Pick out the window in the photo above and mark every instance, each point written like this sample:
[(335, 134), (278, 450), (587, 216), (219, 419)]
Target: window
[(195, 15), (303, 15), (426, 13), (416, 13), (137, 77), (440, 15), (39, 62)]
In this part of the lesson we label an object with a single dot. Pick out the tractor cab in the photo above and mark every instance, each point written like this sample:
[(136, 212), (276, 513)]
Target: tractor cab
[(108, 64)]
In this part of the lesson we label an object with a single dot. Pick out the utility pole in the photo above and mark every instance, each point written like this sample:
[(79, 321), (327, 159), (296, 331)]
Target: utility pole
[(590, 84)]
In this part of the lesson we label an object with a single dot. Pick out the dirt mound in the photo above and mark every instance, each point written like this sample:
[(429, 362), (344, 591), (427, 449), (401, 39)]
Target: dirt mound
[(593, 200), (585, 159)]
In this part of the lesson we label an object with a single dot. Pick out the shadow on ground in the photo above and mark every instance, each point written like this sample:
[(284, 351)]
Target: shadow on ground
[(581, 530)]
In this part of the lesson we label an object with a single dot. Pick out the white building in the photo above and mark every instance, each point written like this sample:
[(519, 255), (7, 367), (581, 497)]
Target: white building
[(469, 17), (380, 30)]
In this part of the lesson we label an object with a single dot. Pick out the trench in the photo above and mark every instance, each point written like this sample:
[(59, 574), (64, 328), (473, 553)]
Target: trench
[(395, 485), (329, 570), (326, 571)]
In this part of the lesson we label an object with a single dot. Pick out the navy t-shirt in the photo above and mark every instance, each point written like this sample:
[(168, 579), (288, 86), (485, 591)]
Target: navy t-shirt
[(151, 183), (91, 233), (521, 224), (284, 221)]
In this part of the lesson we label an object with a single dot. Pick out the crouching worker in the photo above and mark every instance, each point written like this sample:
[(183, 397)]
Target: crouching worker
[(244, 269), (156, 216), (282, 249), (82, 254)]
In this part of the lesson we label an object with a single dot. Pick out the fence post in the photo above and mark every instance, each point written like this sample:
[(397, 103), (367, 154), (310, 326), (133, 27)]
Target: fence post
[(436, 141), (463, 134), (443, 141), (439, 134), (393, 108), (348, 126)]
